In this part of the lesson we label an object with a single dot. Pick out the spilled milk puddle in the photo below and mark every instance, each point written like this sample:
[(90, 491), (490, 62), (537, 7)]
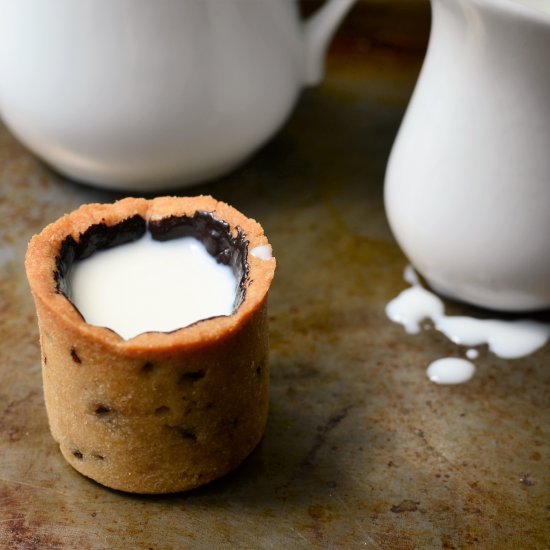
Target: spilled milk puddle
[(508, 339)]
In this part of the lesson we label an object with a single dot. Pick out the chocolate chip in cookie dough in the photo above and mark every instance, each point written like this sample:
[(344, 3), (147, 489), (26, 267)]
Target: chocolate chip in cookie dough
[(260, 368), (184, 432), (101, 410), (147, 368), (75, 356), (191, 377), (187, 434)]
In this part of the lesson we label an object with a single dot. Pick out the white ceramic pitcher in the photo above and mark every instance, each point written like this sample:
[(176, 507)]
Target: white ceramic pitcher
[(468, 182), (147, 94)]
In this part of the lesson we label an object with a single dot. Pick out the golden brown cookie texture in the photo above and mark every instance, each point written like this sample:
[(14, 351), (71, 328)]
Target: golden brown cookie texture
[(161, 412)]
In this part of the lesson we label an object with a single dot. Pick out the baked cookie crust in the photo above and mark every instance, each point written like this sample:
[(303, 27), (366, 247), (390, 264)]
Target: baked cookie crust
[(160, 412)]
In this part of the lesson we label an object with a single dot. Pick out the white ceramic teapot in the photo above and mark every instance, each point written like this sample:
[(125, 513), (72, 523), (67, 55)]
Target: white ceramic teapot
[(143, 94), (468, 182)]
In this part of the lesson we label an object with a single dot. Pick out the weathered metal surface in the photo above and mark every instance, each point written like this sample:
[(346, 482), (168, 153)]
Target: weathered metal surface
[(361, 450)]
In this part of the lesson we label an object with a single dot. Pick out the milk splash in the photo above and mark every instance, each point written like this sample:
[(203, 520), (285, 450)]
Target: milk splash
[(506, 339)]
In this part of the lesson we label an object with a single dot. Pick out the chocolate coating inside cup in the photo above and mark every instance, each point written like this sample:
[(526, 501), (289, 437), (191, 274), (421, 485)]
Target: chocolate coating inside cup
[(214, 233)]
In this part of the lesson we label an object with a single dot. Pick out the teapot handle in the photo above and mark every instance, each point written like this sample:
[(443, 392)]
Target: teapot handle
[(318, 31)]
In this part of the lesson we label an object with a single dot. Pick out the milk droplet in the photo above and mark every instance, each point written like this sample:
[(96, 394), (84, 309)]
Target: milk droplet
[(472, 353), (450, 370), (263, 252)]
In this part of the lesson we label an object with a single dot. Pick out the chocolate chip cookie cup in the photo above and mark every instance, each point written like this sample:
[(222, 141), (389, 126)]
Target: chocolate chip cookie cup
[(162, 411)]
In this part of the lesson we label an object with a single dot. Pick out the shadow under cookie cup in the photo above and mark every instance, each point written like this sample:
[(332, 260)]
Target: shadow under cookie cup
[(160, 412)]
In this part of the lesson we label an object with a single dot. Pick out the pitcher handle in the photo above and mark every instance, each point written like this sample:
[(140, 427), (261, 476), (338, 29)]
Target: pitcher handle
[(318, 31)]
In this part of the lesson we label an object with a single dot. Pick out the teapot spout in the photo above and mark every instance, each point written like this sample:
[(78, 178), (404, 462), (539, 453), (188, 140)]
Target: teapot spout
[(318, 31)]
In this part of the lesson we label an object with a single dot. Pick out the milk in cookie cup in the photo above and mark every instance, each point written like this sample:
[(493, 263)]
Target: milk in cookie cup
[(160, 411)]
